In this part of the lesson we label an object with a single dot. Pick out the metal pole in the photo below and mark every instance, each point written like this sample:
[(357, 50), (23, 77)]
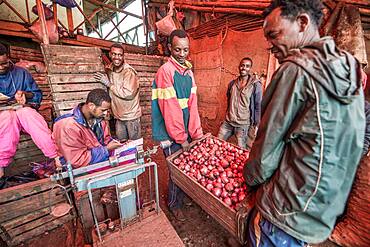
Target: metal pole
[(93, 210), (143, 9), (99, 24), (156, 187), (119, 203), (117, 20)]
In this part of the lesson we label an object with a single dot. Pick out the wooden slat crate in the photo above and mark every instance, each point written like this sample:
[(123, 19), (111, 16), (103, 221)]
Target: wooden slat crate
[(222, 213), (25, 211), (71, 74)]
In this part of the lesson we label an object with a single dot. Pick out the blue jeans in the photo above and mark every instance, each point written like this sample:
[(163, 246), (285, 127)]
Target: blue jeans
[(241, 133), (262, 233), (175, 194)]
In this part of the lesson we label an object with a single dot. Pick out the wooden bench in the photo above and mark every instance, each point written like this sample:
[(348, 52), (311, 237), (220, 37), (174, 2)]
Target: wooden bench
[(25, 210)]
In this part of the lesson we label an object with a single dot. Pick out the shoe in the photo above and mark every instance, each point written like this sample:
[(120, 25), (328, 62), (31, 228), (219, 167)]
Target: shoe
[(233, 242), (188, 201), (178, 214)]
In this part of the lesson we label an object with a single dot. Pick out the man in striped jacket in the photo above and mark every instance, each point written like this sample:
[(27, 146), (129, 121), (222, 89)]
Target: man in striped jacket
[(175, 117)]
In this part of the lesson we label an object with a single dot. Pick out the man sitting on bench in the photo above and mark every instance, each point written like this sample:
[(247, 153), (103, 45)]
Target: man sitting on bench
[(19, 99), (82, 136)]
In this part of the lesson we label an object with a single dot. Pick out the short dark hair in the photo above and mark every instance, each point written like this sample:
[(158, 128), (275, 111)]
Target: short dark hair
[(3, 50), (177, 33), (247, 58), (97, 96), (117, 45), (292, 8)]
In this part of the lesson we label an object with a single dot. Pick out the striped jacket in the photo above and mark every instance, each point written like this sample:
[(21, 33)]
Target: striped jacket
[(175, 114)]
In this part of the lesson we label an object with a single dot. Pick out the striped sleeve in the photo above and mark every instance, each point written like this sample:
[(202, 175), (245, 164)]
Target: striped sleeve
[(194, 128), (169, 105)]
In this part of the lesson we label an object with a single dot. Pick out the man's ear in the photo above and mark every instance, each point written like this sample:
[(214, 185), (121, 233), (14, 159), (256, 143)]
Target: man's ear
[(304, 20), (169, 46), (91, 105), (110, 55)]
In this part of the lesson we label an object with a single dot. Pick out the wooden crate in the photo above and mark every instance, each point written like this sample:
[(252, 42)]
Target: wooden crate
[(71, 74), (25, 211), (222, 213)]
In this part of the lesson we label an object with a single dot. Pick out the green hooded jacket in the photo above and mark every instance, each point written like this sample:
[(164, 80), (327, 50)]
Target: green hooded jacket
[(309, 142)]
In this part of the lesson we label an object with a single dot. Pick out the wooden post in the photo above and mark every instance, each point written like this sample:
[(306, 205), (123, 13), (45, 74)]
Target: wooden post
[(70, 20), (28, 11), (44, 31), (55, 13)]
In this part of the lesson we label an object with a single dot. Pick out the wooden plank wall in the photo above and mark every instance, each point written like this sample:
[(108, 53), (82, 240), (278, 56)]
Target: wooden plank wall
[(27, 151), (25, 211)]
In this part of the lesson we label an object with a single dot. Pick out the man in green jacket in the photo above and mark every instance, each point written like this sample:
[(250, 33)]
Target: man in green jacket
[(311, 133)]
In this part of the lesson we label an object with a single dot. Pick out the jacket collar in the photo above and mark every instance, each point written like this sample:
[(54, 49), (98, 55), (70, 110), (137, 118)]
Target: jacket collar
[(125, 66), (180, 67)]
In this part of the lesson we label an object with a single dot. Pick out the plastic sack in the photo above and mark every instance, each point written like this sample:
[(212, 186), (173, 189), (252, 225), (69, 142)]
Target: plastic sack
[(47, 11), (52, 31), (166, 25), (39, 67)]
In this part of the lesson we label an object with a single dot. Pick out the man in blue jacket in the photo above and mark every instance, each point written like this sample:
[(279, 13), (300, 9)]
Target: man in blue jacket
[(244, 95), (18, 87)]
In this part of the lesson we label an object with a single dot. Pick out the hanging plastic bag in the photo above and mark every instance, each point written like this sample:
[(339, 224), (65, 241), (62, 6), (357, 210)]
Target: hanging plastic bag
[(50, 26), (166, 25), (47, 11)]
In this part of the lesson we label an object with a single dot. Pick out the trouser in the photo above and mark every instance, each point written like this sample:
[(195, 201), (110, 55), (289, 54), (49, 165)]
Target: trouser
[(262, 233), (241, 133), (28, 120), (175, 194), (128, 129)]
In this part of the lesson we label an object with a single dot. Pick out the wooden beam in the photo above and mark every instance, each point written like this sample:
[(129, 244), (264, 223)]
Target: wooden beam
[(115, 26), (55, 13), (233, 4), (41, 13), (250, 12), (88, 20), (95, 11), (111, 7), (363, 3), (70, 20), (27, 11), (364, 11), (106, 36)]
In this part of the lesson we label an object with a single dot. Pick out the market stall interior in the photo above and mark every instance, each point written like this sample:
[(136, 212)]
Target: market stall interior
[(197, 104)]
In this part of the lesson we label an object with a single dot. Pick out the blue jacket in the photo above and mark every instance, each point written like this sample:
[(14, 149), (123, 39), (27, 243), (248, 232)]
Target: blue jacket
[(19, 79)]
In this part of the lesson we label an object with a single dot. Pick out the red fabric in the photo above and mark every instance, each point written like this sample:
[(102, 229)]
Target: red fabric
[(75, 141), (170, 108)]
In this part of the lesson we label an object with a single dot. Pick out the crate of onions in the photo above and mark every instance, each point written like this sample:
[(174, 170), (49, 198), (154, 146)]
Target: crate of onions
[(211, 173)]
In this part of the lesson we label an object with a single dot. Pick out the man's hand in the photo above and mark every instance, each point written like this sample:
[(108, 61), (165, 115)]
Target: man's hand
[(102, 78), (113, 145), (20, 97), (185, 146), (198, 138), (1, 172), (58, 165)]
